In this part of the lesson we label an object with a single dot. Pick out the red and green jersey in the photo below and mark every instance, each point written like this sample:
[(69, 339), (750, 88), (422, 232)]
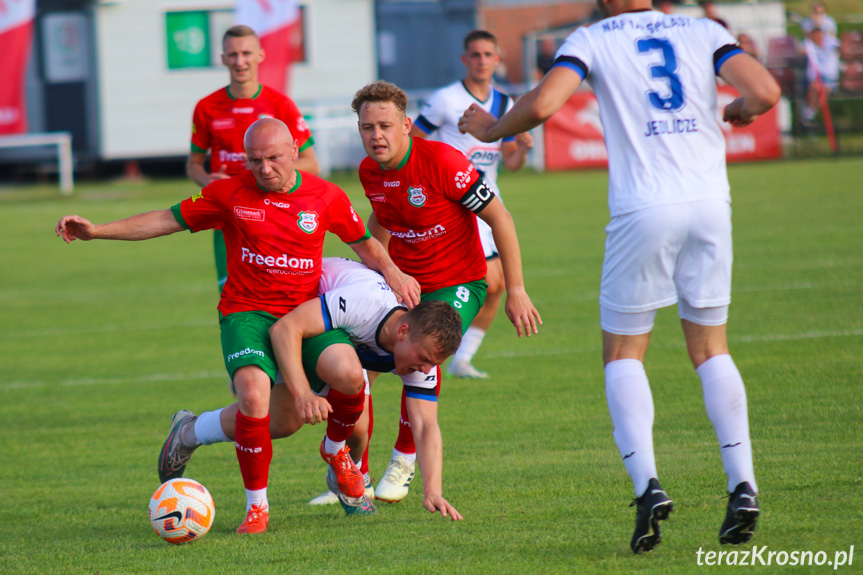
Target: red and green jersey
[(274, 240), (427, 205), (220, 122)]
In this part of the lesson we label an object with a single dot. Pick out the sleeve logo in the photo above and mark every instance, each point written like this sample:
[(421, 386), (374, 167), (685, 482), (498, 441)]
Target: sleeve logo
[(198, 196), (308, 222), (417, 196), (462, 178)]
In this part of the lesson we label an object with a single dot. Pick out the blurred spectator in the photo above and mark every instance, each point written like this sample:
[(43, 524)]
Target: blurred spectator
[(664, 6), (822, 69), (546, 50), (818, 18), (747, 44), (710, 11)]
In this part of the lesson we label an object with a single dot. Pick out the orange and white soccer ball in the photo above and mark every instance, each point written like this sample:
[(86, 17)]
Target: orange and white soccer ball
[(182, 510)]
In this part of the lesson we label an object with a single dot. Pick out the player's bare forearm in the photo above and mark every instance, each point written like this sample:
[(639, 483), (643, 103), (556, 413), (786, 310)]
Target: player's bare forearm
[(427, 436), (529, 111), (515, 152), (758, 89), (519, 309), (378, 231), (198, 173), (375, 256), (307, 161), (134, 228), (286, 338)]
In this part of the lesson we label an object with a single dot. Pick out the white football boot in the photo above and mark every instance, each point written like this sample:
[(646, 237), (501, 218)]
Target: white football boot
[(465, 369), (394, 485)]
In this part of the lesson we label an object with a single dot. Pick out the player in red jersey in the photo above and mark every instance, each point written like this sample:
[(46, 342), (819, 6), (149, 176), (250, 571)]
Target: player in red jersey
[(425, 198), (221, 119), (274, 218)]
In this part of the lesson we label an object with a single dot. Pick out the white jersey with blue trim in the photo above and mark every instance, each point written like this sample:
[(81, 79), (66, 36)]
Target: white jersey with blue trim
[(655, 78), (441, 114), (359, 301)]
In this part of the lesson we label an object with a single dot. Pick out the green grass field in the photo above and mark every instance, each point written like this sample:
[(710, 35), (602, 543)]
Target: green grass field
[(103, 342)]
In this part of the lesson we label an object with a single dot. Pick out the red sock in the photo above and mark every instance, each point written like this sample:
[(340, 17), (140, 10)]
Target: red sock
[(347, 409), (364, 468), (254, 450), (405, 440)]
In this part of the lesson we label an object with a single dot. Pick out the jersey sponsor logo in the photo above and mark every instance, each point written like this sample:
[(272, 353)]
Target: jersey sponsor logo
[(463, 177), (223, 123), (483, 157), (417, 196), (308, 222), (246, 110), (381, 198), (283, 205), (198, 196), (392, 184), (225, 157), (252, 214), (414, 236), (283, 261)]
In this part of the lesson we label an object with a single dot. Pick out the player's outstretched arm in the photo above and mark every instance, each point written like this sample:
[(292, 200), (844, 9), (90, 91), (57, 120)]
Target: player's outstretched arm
[(426, 432), (286, 337), (515, 153), (138, 227), (529, 111), (758, 89), (519, 309), (375, 256)]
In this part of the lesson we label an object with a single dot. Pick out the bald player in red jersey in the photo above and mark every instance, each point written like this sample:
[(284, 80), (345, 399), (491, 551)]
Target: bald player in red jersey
[(425, 198), (274, 218), (221, 119)]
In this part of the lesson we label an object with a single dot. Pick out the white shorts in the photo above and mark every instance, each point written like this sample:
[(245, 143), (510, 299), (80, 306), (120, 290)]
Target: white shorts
[(489, 248), (655, 256)]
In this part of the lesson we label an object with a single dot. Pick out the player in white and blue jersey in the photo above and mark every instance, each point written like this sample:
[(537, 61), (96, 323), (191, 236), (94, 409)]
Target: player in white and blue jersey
[(669, 239), (439, 116)]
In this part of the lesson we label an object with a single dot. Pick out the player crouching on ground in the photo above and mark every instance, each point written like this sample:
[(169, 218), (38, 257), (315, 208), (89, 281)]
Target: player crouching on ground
[(357, 322)]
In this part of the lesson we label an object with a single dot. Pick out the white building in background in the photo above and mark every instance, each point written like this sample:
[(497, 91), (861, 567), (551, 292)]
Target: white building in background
[(155, 60)]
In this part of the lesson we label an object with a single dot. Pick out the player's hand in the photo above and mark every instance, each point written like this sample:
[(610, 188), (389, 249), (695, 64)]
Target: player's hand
[(74, 228), (312, 408), (222, 174), (476, 122), (438, 503), (734, 114), (406, 288), (520, 311), (524, 141)]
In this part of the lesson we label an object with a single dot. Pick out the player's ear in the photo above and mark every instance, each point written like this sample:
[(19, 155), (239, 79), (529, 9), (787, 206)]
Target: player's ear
[(403, 332), (224, 60), (263, 55), (408, 124)]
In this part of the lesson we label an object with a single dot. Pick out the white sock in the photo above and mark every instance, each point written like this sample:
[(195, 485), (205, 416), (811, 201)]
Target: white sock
[(359, 464), (725, 400), (333, 447), (256, 497), (470, 342), (631, 406), (412, 457), (208, 428)]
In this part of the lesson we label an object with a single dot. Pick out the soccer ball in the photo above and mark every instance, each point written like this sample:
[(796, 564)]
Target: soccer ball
[(182, 510)]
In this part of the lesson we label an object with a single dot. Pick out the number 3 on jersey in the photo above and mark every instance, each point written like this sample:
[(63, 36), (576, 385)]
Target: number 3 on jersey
[(666, 71)]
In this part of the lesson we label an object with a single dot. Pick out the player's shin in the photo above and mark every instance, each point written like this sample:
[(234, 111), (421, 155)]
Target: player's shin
[(254, 454)]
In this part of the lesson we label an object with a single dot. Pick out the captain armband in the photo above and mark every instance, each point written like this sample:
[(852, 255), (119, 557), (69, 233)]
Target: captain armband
[(477, 197)]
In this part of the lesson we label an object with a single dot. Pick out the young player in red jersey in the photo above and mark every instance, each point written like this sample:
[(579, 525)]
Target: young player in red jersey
[(274, 219), (221, 119), (425, 198)]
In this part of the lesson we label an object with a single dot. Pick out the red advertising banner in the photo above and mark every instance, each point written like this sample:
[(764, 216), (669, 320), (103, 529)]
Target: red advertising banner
[(16, 34), (277, 24), (574, 140)]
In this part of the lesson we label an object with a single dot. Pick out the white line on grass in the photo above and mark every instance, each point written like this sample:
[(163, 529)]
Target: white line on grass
[(153, 377), (741, 339)]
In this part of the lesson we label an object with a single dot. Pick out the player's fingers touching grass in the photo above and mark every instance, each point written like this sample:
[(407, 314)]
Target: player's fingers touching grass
[(435, 503)]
